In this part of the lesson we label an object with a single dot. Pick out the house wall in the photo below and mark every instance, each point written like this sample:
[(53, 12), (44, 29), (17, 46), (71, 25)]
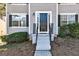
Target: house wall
[(72, 8), (42, 7), (67, 8), (39, 7), (16, 9)]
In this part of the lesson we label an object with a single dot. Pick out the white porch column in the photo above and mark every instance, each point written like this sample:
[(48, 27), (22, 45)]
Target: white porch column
[(56, 19), (29, 16)]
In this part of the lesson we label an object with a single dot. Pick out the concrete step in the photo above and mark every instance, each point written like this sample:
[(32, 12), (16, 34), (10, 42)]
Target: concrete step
[(43, 40), (43, 47), (43, 53), (43, 35), (43, 43)]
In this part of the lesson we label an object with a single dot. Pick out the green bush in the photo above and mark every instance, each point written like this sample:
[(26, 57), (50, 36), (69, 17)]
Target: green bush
[(63, 31), (74, 30), (71, 30), (16, 37)]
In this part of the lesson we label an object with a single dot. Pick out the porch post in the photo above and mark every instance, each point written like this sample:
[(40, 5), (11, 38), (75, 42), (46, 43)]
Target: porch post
[(29, 16), (56, 19)]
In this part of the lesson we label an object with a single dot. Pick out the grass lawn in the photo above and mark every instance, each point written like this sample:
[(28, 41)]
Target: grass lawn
[(17, 49)]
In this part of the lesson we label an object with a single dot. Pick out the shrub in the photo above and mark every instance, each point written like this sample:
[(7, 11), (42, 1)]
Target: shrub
[(63, 31), (16, 37), (71, 30), (74, 30)]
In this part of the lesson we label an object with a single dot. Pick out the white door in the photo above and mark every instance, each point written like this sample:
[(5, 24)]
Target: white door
[(43, 20)]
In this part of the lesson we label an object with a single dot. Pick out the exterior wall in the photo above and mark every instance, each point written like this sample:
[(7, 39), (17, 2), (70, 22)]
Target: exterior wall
[(17, 29), (42, 7), (16, 9), (67, 8), (39, 7), (72, 8), (3, 26)]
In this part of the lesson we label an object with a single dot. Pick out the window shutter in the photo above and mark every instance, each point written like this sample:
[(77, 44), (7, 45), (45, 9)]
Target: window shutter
[(58, 20), (10, 20), (34, 28), (76, 18), (27, 20), (52, 28)]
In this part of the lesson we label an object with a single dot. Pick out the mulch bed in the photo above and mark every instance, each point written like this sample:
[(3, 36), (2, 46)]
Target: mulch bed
[(65, 47), (22, 49), (60, 47)]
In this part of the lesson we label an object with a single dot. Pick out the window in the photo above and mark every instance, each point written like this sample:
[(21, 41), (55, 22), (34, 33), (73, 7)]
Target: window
[(18, 20), (67, 19)]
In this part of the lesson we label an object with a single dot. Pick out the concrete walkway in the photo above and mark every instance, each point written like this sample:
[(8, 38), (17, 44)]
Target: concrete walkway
[(43, 45), (43, 53)]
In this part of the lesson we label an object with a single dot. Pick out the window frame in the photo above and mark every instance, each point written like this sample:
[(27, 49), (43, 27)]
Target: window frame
[(66, 16), (18, 3), (67, 3), (19, 26)]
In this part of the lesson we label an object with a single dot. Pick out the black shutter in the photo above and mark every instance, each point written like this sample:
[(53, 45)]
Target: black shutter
[(27, 20), (10, 20), (58, 20), (52, 28), (34, 28), (76, 18)]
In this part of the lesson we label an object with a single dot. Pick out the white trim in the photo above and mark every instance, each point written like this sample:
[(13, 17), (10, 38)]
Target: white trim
[(43, 11), (18, 13), (56, 18), (17, 27), (68, 13), (17, 20), (67, 17), (18, 3), (51, 17), (67, 4), (29, 16), (37, 12)]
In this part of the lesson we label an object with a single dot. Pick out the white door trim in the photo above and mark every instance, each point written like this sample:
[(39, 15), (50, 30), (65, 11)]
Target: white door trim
[(36, 15)]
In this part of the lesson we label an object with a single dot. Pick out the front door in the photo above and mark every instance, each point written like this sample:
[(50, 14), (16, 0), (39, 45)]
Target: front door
[(43, 19)]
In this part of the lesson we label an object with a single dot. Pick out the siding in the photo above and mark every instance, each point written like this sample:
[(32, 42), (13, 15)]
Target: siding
[(69, 9), (16, 9), (17, 29), (42, 7)]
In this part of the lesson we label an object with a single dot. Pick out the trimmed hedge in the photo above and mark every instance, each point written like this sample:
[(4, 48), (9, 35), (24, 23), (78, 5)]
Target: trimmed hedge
[(71, 30), (16, 37)]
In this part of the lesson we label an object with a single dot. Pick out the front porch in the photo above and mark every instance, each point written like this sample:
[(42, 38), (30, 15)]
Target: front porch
[(43, 32)]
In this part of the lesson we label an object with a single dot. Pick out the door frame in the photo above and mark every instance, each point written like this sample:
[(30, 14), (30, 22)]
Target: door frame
[(49, 21)]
